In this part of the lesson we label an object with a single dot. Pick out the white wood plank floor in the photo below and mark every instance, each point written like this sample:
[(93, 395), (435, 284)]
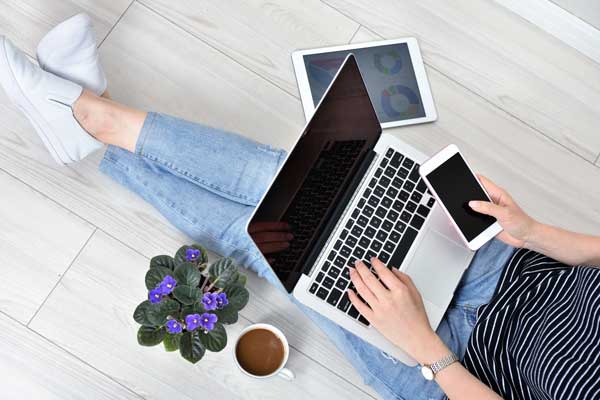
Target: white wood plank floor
[(523, 105)]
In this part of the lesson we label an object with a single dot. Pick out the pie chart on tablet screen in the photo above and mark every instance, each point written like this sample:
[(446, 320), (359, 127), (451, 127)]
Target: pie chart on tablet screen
[(399, 101)]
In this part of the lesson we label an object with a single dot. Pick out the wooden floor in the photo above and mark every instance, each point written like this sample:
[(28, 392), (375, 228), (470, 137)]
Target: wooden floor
[(523, 105)]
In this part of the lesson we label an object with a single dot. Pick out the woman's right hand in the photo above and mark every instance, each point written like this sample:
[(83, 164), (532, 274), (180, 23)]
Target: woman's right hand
[(517, 225)]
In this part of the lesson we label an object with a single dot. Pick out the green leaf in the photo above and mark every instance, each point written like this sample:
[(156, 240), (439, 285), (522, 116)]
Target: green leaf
[(227, 315), (187, 274), (223, 272), (157, 313), (180, 255), (150, 336), (140, 315), (171, 342), (154, 276), (242, 280), (191, 347), (214, 340), (238, 297), (162, 261), (189, 309), (187, 294)]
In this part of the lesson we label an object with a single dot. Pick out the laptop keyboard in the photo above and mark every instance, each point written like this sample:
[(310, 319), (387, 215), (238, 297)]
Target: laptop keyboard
[(384, 224)]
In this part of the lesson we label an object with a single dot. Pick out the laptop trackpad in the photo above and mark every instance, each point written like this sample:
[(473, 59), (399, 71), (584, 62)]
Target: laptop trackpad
[(437, 267)]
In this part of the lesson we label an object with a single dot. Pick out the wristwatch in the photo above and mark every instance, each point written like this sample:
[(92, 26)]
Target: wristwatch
[(430, 371)]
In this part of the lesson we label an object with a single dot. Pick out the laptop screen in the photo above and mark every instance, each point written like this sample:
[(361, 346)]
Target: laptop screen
[(310, 184)]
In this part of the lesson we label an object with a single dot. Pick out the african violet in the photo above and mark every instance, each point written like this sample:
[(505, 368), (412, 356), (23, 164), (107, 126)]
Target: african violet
[(189, 302)]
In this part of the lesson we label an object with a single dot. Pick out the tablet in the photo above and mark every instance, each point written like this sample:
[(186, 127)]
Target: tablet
[(393, 71)]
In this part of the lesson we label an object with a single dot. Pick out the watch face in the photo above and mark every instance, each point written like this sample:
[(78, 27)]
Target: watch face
[(427, 373)]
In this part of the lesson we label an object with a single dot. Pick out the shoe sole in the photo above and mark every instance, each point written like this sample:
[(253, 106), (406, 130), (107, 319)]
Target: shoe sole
[(16, 94)]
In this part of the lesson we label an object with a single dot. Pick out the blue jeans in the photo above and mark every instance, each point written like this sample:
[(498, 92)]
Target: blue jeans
[(207, 183)]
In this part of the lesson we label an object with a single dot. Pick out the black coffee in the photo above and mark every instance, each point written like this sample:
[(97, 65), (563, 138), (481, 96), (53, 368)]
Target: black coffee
[(260, 352)]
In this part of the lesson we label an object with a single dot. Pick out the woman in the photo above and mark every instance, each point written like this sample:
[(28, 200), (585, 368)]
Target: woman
[(525, 325)]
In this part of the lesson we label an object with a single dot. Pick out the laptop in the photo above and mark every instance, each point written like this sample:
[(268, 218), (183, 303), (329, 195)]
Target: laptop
[(350, 192)]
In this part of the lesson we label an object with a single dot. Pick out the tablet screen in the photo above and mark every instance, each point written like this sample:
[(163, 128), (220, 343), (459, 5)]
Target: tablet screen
[(387, 71)]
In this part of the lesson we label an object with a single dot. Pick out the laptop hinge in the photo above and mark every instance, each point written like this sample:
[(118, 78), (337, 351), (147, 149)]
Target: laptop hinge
[(338, 211)]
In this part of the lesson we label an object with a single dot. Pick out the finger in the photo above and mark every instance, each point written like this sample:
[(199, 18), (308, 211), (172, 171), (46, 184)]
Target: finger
[(487, 208), (362, 288), (274, 247), (405, 280), (362, 308), (268, 226), (387, 277), (267, 237), (370, 280), (495, 191)]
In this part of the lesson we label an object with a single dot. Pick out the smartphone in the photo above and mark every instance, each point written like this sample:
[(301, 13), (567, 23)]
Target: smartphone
[(453, 183)]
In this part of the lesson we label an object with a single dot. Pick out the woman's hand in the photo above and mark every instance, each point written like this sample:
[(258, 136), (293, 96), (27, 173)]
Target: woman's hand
[(395, 308), (271, 237), (517, 225)]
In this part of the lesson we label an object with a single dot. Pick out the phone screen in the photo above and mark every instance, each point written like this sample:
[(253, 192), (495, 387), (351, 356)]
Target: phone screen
[(455, 186)]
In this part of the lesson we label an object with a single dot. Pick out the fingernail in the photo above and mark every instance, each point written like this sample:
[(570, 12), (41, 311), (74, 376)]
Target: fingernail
[(473, 204)]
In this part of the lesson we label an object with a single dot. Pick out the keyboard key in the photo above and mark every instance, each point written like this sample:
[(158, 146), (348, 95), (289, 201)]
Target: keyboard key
[(403, 172), (351, 261), (421, 186), (373, 201), (320, 276), (367, 193), (389, 246), (375, 222), (326, 266), (393, 215), (395, 236), (400, 226), (361, 203), (408, 186), (337, 245), (358, 252), (334, 297), (370, 232), (389, 152), (355, 213), (407, 240), (363, 320), (322, 293), (379, 191), (339, 262), (411, 207), (344, 234), (373, 182), (416, 197), (349, 224), (386, 202), (334, 273), (408, 163), (384, 162), (314, 288), (431, 202), (417, 222), (387, 225), (368, 211), (398, 205), (392, 192), (385, 181), (423, 211), (390, 172), (397, 183), (341, 284), (414, 174), (403, 195), (332, 255), (353, 312), (378, 172), (381, 212), (362, 221), (381, 236), (346, 273), (376, 246), (370, 254), (351, 241), (344, 303), (405, 216), (364, 242), (357, 231), (396, 159), (384, 257), (345, 251)]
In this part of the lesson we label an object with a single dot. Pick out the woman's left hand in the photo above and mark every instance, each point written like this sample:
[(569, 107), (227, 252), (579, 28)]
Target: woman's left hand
[(394, 307)]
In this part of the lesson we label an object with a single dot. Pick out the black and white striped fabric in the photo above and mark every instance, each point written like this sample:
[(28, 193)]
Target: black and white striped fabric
[(539, 337)]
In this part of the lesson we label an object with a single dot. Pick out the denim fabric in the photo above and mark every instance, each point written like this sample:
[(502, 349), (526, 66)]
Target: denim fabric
[(207, 182)]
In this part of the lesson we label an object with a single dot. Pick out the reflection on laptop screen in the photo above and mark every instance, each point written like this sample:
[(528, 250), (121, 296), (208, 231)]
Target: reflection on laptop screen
[(313, 179)]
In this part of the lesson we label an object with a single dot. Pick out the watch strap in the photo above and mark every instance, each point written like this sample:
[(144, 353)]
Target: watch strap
[(439, 365)]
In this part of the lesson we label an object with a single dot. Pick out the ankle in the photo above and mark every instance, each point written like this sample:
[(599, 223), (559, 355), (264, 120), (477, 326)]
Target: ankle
[(94, 115)]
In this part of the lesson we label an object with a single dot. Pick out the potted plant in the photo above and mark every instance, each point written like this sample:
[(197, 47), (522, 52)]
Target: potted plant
[(189, 302)]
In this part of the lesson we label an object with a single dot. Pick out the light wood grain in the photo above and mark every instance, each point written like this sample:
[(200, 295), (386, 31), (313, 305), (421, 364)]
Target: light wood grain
[(552, 184), (496, 54), (38, 241), (260, 34), (34, 368), (100, 291), (25, 22), (587, 10)]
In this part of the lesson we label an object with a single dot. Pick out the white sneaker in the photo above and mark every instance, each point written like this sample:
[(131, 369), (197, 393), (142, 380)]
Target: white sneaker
[(69, 51), (46, 100)]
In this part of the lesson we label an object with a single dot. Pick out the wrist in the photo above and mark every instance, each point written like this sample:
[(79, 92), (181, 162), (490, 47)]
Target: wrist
[(432, 349), (535, 231)]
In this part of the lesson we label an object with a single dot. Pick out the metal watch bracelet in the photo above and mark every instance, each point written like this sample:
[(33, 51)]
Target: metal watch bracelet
[(430, 371)]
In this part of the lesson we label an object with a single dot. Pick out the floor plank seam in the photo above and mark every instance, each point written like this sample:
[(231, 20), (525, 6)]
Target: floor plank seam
[(355, 32), (140, 2), (477, 94), (73, 355), (62, 276), (116, 23), (596, 161)]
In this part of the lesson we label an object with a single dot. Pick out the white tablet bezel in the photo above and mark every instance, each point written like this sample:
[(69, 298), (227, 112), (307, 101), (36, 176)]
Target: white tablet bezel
[(432, 164), (418, 67)]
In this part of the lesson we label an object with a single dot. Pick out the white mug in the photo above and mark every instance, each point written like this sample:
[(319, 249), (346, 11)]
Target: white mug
[(281, 370)]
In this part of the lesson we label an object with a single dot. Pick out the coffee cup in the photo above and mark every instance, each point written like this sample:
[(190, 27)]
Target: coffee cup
[(262, 351)]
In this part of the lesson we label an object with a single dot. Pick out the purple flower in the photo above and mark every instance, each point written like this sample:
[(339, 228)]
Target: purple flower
[(155, 295), (209, 301), (174, 326), (192, 254), (222, 300), (167, 285), (207, 321), (192, 322)]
